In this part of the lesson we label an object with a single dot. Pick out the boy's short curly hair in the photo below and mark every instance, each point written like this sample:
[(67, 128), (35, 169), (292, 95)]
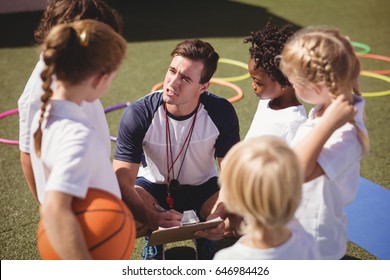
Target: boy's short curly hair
[(267, 43)]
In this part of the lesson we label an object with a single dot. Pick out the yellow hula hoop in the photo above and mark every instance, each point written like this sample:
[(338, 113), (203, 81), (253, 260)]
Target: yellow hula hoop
[(376, 76), (239, 93), (236, 63)]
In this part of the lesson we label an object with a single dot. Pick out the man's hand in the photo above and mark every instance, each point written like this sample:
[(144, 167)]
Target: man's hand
[(214, 233), (169, 219)]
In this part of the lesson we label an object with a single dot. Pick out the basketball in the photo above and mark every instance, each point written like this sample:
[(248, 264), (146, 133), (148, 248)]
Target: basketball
[(108, 226)]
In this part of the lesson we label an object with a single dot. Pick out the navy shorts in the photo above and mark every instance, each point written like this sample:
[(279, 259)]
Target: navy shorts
[(188, 197)]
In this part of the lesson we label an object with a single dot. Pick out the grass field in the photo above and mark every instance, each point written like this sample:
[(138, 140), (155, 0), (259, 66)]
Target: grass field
[(152, 29)]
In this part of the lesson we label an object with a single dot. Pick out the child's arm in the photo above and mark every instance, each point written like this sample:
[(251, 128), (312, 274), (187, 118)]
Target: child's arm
[(308, 150), (25, 161), (62, 227)]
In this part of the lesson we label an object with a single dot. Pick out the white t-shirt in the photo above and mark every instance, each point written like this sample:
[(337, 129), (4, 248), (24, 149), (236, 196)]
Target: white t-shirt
[(281, 123), (300, 246), (30, 102), (73, 153), (321, 212), (142, 138)]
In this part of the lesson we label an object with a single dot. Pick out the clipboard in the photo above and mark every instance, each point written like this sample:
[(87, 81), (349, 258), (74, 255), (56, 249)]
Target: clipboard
[(180, 233)]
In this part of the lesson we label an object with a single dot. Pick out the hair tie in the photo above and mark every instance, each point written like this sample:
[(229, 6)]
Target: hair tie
[(84, 38)]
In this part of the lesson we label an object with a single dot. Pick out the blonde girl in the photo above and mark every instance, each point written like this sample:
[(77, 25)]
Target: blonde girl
[(323, 68), (261, 180), (69, 154)]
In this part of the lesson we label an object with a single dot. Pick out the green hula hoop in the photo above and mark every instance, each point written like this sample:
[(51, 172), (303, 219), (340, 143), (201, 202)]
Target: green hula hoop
[(365, 48), (236, 63), (376, 76)]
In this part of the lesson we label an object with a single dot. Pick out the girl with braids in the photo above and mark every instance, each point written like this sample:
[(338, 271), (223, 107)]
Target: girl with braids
[(279, 113), (57, 12), (322, 66), (261, 179), (69, 154)]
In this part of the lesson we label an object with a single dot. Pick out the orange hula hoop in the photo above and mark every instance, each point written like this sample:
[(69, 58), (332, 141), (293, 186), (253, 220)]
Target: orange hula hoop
[(239, 93)]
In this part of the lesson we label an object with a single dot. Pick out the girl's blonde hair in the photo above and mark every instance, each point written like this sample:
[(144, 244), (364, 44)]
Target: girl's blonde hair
[(261, 180), (321, 55), (74, 52)]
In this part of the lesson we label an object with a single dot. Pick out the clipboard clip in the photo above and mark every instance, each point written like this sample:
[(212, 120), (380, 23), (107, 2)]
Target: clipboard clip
[(189, 218)]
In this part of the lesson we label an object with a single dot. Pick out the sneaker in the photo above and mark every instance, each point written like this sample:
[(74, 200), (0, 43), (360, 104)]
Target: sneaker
[(152, 252), (205, 248)]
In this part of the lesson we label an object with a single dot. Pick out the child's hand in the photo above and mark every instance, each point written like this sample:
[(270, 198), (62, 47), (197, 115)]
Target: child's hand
[(339, 112)]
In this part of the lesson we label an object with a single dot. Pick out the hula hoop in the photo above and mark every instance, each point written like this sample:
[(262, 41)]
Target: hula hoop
[(365, 48), (237, 89), (157, 86), (113, 108), (377, 57), (236, 63), (6, 114), (376, 76), (116, 107)]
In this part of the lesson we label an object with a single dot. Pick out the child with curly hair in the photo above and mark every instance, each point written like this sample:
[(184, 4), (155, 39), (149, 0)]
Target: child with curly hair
[(279, 112)]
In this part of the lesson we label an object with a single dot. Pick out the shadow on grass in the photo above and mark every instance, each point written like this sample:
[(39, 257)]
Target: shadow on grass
[(150, 20)]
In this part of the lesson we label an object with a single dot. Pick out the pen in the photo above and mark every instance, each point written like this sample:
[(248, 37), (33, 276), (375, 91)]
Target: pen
[(158, 207)]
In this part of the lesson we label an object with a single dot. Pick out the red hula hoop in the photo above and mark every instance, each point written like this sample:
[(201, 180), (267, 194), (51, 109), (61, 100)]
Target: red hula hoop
[(6, 114), (377, 57)]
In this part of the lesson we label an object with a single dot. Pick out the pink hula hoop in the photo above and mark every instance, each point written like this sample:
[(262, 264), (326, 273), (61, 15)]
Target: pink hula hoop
[(376, 57), (6, 114)]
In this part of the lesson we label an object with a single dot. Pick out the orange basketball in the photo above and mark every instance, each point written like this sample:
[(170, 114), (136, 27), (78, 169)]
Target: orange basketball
[(108, 226)]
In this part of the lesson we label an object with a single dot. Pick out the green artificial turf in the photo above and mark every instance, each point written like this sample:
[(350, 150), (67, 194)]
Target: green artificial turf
[(152, 29)]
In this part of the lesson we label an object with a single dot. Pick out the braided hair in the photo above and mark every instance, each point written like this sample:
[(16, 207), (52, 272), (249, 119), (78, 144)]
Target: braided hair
[(322, 55), (73, 53), (267, 43)]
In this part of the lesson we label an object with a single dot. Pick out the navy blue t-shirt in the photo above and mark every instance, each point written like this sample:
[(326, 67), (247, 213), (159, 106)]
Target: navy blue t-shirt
[(142, 138)]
